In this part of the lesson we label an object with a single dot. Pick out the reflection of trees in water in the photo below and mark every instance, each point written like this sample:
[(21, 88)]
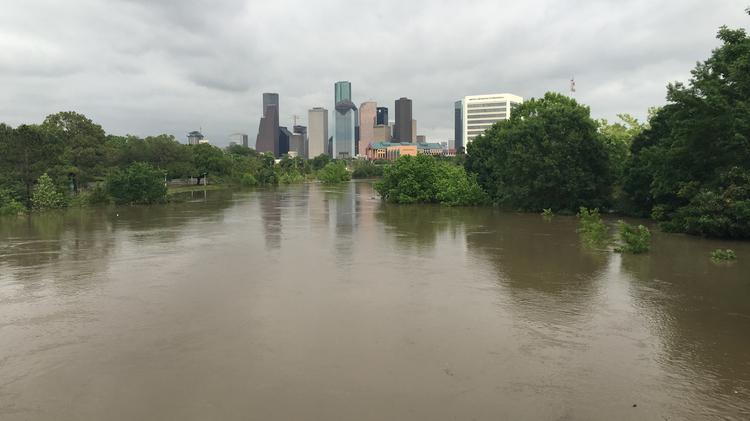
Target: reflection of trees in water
[(47, 246), (542, 265), (63, 245), (700, 310), (417, 227)]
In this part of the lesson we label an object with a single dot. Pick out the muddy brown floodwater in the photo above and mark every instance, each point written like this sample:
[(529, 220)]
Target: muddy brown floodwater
[(320, 303)]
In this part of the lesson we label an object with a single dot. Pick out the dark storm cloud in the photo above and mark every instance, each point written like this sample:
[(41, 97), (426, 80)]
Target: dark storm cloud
[(146, 67)]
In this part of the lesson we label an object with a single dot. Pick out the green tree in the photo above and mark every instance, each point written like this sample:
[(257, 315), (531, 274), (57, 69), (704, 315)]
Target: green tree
[(690, 168), (618, 137), (85, 151), (334, 172), (410, 179), (320, 161), (454, 187), (266, 174), (45, 195), (547, 155), (424, 179), (8, 203), (166, 153), (27, 152), (366, 169), (210, 160), (139, 183)]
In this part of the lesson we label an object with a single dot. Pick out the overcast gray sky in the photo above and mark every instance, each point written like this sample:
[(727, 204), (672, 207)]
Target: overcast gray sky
[(147, 66)]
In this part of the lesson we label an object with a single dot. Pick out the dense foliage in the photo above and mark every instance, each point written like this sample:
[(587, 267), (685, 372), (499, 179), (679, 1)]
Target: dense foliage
[(78, 157), (366, 169), (139, 183), (334, 172), (423, 179), (27, 152), (45, 195), (691, 168), (549, 154), (8, 204), (320, 161), (633, 239)]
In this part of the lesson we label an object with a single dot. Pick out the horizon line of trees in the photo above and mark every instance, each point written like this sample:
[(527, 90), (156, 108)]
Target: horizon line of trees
[(74, 157)]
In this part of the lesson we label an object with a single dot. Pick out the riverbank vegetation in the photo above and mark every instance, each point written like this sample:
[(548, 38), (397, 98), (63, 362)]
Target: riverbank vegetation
[(334, 172), (688, 167), (68, 160), (424, 179)]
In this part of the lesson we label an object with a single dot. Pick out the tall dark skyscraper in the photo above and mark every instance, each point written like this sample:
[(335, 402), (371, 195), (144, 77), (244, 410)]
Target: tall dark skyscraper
[(270, 99), (404, 125), (285, 138), (381, 116), (268, 131), (458, 126)]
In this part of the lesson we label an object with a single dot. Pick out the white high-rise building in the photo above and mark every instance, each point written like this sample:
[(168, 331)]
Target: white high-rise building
[(480, 112)]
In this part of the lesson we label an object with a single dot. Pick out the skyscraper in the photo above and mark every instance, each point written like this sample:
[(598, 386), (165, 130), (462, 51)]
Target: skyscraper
[(367, 113), (342, 91), (413, 130), (381, 118), (285, 139), (458, 125), (344, 134), (270, 99), (403, 129), (317, 120), (268, 131), (298, 143), (480, 112)]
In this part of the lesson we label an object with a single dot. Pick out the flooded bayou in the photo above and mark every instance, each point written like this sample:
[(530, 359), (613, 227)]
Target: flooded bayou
[(316, 302)]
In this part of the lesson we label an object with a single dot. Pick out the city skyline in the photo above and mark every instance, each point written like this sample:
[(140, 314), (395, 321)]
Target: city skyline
[(134, 78)]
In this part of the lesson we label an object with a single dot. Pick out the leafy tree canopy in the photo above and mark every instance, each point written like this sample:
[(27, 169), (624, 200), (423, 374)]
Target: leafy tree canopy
[(139, 183), (424, 179), (549, 154), (691, 166)]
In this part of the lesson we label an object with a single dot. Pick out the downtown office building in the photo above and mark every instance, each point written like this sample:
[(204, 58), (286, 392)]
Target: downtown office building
[(344, 135), (317, 132), (268, 130), (345, 122), (476, 113)]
